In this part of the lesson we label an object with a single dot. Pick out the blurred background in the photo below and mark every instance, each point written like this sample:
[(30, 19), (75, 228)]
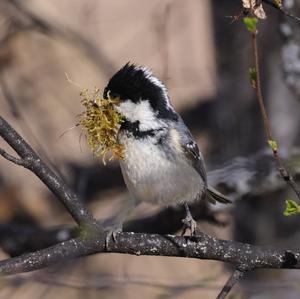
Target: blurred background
[(49, 50)]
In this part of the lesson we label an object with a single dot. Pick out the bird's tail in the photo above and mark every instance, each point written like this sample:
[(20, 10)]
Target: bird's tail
[(213, 196)]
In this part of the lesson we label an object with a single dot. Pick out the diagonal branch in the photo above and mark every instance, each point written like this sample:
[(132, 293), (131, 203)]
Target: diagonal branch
[(30, 160), (279, 8), (235, 277)]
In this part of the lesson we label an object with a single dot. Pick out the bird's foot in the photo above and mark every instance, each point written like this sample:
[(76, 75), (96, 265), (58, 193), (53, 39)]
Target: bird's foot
[(191, 224), (112, 235)]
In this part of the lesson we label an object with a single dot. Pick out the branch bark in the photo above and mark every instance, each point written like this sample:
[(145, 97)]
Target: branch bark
[(236, 276), (242, 256), (30, 160)]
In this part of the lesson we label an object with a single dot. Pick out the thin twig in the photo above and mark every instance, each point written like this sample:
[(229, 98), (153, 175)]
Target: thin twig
[(13, 159), (34, 163), (274, 5), (281, 168), (235, 277)]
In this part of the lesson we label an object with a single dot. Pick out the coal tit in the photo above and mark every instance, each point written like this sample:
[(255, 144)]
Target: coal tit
[(162, 162)]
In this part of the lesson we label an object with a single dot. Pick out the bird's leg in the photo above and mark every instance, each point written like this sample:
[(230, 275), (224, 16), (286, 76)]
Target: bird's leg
[(112, 233), (189, 221), (114, 225)]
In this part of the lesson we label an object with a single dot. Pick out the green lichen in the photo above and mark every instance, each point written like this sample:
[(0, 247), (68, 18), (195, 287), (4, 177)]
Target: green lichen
[(100, 123)]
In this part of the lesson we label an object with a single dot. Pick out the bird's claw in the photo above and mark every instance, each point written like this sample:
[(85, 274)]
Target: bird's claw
[(189, 223), (112, 236)]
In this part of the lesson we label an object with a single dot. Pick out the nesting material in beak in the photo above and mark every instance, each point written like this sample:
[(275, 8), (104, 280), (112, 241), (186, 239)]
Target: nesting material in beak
[(100, 123)]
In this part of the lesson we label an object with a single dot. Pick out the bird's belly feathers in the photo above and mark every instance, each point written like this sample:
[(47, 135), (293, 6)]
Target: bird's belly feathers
[(151, 176)]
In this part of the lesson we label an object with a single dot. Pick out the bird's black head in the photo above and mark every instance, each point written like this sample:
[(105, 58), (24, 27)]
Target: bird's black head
[(140, 94)]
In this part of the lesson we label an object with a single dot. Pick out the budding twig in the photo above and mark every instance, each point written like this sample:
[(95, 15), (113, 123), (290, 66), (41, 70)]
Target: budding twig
[(257, 86)]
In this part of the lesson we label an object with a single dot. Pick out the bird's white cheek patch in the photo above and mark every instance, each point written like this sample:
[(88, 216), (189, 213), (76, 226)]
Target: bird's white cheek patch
[(141, 112), (126, 109)]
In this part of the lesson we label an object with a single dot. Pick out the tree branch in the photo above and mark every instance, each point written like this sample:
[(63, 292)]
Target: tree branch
[(242, 176), (242, 256), (30, 160), (13, 159), (233, 279), (257, 86), (17, 239), (279, 8)]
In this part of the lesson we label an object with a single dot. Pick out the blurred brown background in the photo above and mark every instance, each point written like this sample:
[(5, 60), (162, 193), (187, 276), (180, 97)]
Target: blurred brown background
[(203, 59)]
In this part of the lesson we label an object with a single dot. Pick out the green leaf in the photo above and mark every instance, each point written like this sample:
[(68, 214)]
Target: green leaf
[(273, 144), (250, 24), (252, 73), (291, 208)]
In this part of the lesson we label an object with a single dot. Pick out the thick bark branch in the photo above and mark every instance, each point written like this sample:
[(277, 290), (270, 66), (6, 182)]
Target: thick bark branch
[(17, 239), (242, 256)]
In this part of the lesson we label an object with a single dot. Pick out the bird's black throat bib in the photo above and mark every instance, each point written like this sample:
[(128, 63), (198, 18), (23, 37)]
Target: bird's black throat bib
[(133, 129)]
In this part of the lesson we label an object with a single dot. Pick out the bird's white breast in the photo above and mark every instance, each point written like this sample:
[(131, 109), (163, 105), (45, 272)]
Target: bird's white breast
[(151, 176)]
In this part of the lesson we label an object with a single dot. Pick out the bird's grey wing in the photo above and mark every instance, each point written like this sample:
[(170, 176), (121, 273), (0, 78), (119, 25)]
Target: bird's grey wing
[(191, 150), (195, 157)]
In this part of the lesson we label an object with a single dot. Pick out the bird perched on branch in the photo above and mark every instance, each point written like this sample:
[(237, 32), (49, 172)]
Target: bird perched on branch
[(162, 162)]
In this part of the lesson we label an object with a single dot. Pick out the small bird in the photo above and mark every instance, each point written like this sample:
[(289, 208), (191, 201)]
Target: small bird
[(162, 163)]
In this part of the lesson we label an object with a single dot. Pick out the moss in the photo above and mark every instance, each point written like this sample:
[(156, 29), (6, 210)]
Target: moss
[(100, 123)]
